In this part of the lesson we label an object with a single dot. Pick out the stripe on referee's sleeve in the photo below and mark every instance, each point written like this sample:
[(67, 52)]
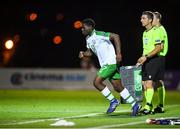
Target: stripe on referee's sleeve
[(158, 43)]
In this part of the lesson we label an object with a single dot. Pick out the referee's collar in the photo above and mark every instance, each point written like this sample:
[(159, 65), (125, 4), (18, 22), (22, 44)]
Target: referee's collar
[(150, 29)]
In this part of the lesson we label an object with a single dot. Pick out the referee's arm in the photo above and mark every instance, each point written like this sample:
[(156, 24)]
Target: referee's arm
[(155, 51)]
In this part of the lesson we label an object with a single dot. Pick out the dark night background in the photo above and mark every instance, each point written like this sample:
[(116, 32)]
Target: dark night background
[(36, 49)]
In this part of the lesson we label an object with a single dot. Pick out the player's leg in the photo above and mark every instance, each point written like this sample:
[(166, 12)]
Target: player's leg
[(117, 85), (98, 83), (103, 73), (124, 93)]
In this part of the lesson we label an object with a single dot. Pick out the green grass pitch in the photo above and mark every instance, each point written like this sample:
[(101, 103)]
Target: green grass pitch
[(41, 108)]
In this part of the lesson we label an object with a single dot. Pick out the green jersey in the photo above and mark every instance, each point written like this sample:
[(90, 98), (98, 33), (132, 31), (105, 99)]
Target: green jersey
[(164, 40), (150, 39)]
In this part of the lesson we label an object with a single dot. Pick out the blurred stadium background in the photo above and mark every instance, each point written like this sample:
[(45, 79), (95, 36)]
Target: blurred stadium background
[(40, 42), (45, 35)]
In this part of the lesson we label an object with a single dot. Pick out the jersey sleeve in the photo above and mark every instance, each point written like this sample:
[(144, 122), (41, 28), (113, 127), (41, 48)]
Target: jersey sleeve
[(163, 35), (157, 37)]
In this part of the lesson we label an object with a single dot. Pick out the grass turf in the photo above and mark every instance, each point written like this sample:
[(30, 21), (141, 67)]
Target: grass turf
[(40, 108)]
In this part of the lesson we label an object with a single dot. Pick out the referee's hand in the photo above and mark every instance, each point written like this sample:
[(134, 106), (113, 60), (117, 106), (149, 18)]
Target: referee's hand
[(141, 60), (138, 64)]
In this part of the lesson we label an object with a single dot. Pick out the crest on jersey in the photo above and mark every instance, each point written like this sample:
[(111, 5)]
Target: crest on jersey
[(146, 41)]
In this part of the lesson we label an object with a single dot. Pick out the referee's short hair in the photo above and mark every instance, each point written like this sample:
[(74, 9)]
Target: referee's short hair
[(149, 14), (89, 22), (158, 15)]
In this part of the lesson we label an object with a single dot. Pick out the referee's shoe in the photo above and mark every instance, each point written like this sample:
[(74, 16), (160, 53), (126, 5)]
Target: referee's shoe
[(159, 109), (148, 109)]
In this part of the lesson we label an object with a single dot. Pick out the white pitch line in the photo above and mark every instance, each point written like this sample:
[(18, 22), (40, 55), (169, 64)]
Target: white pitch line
[(171, 106), (91, 115), (131, 123), (53, 119), (25, 111), (56, 119), (117, 125), (70, 117)]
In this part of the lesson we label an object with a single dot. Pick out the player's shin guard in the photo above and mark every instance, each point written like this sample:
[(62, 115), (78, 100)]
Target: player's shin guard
[(107, 93), (127, 97)]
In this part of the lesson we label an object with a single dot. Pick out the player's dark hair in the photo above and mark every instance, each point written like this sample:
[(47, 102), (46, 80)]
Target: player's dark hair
[(158, 15), (149, 14), (89, 22)]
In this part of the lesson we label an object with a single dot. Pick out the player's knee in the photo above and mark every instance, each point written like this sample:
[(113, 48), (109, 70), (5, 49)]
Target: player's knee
[(96, 83), (118, 87)]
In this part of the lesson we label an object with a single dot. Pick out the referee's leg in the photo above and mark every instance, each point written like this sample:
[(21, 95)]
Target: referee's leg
[(160, 86)]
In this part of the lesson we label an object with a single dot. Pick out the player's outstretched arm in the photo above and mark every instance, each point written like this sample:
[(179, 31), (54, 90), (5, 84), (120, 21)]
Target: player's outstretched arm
[(116, 40)]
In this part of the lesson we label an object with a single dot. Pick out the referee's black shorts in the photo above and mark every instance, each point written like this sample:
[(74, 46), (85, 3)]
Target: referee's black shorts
[(153, 69)]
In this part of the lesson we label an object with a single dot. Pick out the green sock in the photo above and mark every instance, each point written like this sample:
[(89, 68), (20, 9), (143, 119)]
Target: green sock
[(161, 94), (149, 97)]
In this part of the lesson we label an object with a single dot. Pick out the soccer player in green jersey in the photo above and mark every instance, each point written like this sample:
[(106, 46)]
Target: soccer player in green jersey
[(151, 60), (101, 44), (164, 40)]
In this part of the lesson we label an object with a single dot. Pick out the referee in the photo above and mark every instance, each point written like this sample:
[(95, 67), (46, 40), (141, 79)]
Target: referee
[(151, 60), (164, 40)]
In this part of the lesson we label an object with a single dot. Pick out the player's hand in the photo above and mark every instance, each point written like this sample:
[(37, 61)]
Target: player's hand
[(141, 60), (118, 58), (81, 54)]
